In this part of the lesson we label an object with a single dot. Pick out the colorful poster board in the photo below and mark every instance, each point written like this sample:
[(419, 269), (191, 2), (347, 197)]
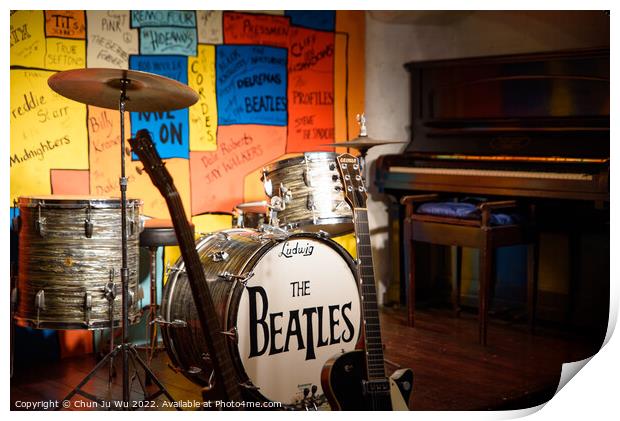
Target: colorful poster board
[(270, 84)]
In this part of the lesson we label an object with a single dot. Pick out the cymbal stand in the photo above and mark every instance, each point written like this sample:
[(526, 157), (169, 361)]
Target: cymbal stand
[(126, 348)]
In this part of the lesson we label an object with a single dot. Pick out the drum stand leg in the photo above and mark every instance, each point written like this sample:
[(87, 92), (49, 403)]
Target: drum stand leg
[(126, 348), (134, 358)]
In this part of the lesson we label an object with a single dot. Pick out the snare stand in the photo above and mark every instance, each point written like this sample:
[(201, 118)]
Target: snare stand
[(126, 348)]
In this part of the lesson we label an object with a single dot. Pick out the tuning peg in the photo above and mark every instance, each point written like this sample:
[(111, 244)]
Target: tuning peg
[(127, 150), (139, 170)]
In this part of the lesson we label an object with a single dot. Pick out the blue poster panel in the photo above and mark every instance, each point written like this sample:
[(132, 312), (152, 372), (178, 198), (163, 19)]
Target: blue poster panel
[(169, 129), (168, 40), (145, 18), (251, 85), (323, 20)]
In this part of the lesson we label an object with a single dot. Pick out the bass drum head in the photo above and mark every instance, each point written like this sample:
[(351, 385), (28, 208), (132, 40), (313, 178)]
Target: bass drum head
[(299, 309)]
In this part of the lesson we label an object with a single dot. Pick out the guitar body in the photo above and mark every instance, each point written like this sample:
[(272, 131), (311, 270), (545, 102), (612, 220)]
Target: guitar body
[(356, 380), (342, 380)]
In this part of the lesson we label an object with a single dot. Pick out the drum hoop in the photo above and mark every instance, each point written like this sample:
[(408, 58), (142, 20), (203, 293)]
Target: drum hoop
[(300, 159), (75, 203), (234, 296)]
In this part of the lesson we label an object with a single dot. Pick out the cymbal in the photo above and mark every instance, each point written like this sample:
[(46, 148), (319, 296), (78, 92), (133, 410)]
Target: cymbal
[(364, 143), (102, 88)]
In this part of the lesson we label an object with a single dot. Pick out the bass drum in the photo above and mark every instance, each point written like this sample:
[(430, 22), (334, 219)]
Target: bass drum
[(287, 303)]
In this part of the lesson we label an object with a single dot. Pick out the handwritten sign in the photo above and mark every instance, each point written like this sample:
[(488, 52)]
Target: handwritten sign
[(310, 90), (209, 26), (203, 114), (169, 129), (244, 28), (323, 20), (241, 149), (70, 182), (27, 38), (43, 133), (65, 24), (170, 40), (251, 85), (110, 40), (183, 18), (65, 54)]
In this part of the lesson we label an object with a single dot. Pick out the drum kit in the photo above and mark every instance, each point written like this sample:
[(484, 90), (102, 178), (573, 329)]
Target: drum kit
[(299, 304)]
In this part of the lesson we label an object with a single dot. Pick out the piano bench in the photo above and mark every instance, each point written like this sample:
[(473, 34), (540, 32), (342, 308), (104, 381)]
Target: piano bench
[(430, 221)]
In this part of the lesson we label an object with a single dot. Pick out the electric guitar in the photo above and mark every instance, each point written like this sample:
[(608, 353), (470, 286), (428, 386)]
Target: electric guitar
[(356, 380), (226, 386)]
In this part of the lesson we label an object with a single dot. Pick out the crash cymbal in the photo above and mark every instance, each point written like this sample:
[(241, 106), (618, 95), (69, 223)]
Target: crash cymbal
[(363, 143), (102, 88)]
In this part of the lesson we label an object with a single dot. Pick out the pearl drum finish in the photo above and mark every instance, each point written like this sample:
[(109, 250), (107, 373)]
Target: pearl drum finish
[(287, 304), (69, 250), (309, 191)]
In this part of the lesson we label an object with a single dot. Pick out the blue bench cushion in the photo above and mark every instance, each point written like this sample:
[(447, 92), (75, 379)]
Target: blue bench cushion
[(463, 210)]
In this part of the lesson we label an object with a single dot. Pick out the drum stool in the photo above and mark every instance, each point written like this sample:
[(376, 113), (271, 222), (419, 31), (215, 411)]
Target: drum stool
[(157, 233)]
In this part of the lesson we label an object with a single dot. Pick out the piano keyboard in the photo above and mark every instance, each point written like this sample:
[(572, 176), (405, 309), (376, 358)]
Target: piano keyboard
[(493, 173)]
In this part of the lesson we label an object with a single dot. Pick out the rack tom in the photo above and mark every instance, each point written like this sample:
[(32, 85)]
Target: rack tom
[(69, 252), (309, 190)]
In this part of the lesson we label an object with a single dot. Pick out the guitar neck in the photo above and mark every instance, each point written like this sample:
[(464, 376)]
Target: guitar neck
[(372, 330), (224, 370)]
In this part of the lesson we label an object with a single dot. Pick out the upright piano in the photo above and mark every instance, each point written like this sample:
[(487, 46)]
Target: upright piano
[(531, 126)]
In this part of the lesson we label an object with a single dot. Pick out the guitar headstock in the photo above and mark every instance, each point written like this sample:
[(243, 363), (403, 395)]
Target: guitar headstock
[(142, 145), (353, 183)]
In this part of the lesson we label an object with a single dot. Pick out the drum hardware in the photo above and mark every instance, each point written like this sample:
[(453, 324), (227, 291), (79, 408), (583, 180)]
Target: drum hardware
[(88, 224), (170, 269), (232, 334), (122, 90), (218, 256), (175, 324), (310, 202), (249, 385), (242, 279), (39, 223), (310, 398), (88, 306), (39, 304)]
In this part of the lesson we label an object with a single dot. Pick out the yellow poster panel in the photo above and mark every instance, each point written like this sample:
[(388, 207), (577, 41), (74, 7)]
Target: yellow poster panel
[(203, 114), (47, 131), (28, 38), (65, 54)]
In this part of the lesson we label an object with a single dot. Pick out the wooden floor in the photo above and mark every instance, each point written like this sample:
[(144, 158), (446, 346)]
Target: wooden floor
[(451, 371)]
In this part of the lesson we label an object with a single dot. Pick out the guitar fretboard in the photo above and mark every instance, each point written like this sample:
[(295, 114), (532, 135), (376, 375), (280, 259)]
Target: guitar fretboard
[(370, 312)]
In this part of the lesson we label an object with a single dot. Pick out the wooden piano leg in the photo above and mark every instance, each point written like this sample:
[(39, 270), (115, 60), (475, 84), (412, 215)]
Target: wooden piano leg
[(410, 264), (484, 282), (532, 281), (456, 290)]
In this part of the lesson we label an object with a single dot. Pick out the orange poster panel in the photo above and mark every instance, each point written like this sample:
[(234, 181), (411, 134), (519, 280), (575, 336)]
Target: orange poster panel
[(70, 181), (105, 165), (65, 24), (340, 90), (217, 178), (353, 23), (243, 28), (310, 90)]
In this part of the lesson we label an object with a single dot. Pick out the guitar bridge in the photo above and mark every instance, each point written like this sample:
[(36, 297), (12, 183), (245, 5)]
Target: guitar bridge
[(381, 386)]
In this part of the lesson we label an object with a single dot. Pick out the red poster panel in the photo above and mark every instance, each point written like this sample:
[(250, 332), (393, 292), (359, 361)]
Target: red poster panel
[(70, 181), (310, 90), (245, 28), (217, 177)]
